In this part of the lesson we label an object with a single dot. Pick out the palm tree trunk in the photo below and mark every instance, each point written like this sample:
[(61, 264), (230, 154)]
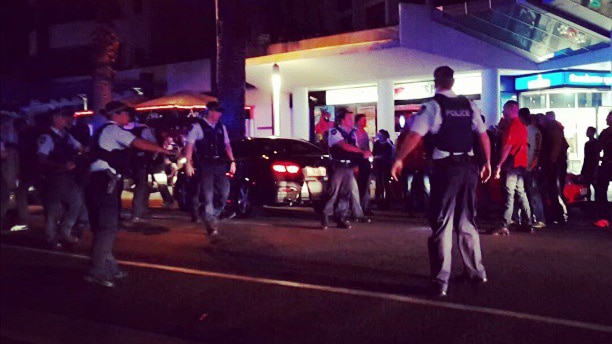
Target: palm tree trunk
[(105, 47), (231, 55)]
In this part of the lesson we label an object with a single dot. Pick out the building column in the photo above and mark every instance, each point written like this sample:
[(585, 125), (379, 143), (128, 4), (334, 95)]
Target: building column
[(490, 97), (301, 114), (385, 109)]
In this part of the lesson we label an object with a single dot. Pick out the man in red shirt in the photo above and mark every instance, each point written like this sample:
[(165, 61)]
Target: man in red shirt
[(513, 164)]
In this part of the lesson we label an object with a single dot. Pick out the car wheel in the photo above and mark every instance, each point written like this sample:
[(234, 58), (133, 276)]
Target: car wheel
[(244, 202)]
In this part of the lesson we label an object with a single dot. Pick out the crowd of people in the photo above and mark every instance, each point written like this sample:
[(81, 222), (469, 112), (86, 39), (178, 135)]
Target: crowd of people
[(79, 169)]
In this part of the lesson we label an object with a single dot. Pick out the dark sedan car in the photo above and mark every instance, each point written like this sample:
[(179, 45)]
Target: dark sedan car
[(276, 171), (271, 171)]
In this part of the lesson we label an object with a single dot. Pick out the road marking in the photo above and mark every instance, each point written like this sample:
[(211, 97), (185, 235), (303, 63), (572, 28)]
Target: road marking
[(347, 291)]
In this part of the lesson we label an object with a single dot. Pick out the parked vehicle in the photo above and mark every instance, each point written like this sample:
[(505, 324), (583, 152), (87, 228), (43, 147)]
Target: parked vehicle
[(271, 171)]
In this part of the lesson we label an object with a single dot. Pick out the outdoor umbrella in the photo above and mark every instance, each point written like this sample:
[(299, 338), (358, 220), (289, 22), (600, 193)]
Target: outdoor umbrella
[(179, 100)]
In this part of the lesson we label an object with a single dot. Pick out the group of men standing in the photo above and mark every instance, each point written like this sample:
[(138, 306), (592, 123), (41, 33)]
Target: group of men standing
[(82, 179)]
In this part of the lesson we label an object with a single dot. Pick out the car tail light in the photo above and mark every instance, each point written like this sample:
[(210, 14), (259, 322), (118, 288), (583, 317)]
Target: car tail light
[(285, 167)]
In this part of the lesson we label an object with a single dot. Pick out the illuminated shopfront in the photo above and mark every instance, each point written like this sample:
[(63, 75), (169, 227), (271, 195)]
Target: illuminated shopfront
[(580, 99)]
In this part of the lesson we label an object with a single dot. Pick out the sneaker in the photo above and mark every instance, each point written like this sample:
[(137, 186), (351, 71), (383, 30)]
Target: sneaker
[(99, 281), (603, 223), (324, 222), (69, 239), (539, 225), (345, 224), (501, 231), (17, 228), (121, 274), (437, 290), (364, 220)]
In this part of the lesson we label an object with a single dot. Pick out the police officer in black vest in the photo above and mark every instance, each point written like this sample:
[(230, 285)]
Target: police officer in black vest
[(345, 155), (451, 119), (111, 150), (212, 145), (63, 198)]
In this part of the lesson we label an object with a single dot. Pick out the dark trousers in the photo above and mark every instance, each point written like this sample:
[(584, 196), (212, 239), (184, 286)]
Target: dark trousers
[(363, 183), (604, 177), (554, 182), (453, 209), (383, 184), (140, 202), (63, 201), (532, 186), (103, 210), (214, 188)]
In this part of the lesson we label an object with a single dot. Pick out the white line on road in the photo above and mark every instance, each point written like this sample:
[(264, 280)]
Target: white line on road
[(353, 292)]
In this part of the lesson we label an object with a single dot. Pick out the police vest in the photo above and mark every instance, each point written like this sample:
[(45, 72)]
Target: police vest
[(62, 149), (455, 134), (338, 153), (212, 146), (118, 159)]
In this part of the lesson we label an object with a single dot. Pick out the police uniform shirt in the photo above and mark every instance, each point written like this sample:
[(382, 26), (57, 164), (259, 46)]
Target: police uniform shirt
[(46, 143), (335, 136), (429, 119), (196, 133), (146, 134), (113, 137)]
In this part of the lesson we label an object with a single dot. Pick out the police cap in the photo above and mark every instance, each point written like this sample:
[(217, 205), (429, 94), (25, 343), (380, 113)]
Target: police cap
[(214, 106), (116, 106)]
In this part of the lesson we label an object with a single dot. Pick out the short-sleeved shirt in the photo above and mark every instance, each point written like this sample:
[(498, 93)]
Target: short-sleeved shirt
[(429, 120), (46, 143), (112, 137), (336, 137), (516, 135), (196, 133)]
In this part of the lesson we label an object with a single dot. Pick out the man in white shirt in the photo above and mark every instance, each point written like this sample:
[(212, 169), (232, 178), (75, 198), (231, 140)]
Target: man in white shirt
[(63, 198), (451, 119), (111, 146), (212, 145)]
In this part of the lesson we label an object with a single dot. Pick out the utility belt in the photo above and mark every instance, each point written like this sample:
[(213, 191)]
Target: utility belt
[(113, 182), (215, 160), (343, 163), (456, 158)]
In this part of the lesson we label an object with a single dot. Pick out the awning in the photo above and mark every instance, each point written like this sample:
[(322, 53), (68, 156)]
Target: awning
[(180, 100)]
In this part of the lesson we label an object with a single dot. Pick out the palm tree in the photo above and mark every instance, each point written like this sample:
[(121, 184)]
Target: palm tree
[(105, 49), (232, 34)]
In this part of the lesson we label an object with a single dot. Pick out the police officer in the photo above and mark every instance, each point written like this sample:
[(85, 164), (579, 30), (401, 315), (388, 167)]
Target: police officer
[(63, 198), (139, 171), (451, 119), (342, 186), (212, 146), (111, 148)]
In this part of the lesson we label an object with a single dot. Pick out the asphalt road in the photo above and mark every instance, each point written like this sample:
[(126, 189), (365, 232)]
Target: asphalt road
[(279, 279)]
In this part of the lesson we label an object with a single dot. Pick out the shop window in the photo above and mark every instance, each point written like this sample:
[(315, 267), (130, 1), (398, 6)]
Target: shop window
[(534, 101), (587, 100), (562, 100)]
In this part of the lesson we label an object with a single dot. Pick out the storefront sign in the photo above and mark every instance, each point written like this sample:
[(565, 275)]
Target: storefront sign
[(554, 79), (589, 79), (357, 95), (533, 82), (465, 85)]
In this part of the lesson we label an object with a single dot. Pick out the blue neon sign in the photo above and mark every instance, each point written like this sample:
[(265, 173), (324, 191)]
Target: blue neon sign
[(555, 79)]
